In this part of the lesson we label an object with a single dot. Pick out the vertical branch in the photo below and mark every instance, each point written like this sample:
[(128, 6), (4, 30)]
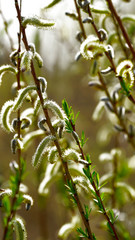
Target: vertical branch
[(67, 175), (125, 35), (115, 167), (130, 97), (80, 20), (13, 210), (98, 195)]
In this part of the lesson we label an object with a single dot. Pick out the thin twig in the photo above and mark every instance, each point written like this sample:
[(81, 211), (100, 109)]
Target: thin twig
[(121, 121), (98, 193), (64, 164), (6, 30), (13, 211), (123, 30)]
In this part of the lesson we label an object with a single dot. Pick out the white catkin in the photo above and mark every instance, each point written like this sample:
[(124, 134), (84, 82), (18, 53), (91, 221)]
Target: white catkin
[(5, 116), (20, 229), (35, 21), (55, 108), (6, 68), (40, 150), (21, 96)]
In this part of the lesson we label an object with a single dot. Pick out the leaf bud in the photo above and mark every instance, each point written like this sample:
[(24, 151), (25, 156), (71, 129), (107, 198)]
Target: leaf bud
[(121, 112), (107, 70), (43, 84), (118, 128), (109, 106), (32, 48), (110, 51), (13, 57), (103, 34), (15, 124), (96, 85), (79, 36), (26, 122), (104, 99), (83, 4), (78, 56), (88, 20), (74, 16), (41, 124), (131, 130)]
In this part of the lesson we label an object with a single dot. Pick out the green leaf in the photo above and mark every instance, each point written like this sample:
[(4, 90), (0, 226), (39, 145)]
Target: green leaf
[(83, 140), (18, 202), (70, 187), (97, 179), (82, 233), (110, 229), (112, 216), (66, 108), (88, 158), (6, 204), (87, 211), (69, 112), (68, 127), (87, 173)]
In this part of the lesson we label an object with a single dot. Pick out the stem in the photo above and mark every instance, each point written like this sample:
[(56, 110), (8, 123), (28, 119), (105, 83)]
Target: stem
[(13, 211), (115, 167), (125, 35), (6, 30), (80, 20), (130, 97), (98, 195), (67, 175), (121, 121), (119, 36)]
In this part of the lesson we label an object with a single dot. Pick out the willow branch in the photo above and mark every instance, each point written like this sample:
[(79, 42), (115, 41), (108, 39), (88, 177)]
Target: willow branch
[(123, 30), (67, 175)]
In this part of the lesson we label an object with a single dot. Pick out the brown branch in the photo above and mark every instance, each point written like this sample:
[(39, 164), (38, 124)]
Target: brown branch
[(121, 121), (64, 164), (13, 211), (123, 30), (130, 97), (80, 20)]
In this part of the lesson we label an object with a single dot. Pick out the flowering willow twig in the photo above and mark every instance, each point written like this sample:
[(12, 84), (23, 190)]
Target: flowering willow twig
[(67, 175)]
